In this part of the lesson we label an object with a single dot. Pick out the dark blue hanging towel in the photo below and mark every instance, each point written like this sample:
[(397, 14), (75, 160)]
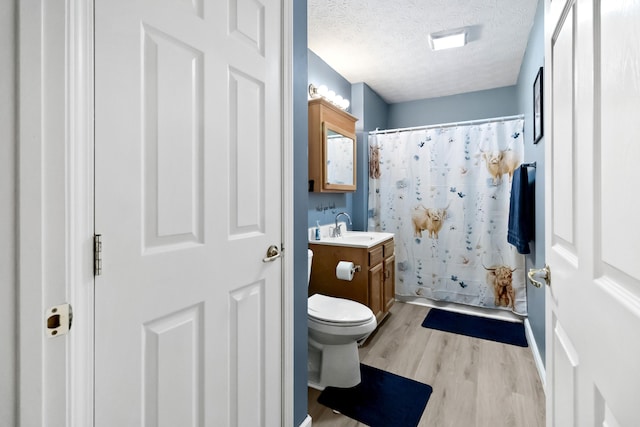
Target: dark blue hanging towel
[(521, 211)]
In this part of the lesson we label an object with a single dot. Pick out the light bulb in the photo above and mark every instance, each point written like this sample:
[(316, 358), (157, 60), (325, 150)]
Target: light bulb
[(322, 90), (344, 104)]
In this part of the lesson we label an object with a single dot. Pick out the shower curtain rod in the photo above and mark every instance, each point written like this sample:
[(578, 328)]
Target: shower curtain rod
[(446, 125)]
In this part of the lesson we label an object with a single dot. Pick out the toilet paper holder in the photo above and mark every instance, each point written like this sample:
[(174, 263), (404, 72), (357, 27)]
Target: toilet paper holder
[(346, 270)]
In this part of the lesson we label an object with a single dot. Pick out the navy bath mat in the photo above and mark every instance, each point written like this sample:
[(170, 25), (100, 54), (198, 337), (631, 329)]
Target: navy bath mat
[(382, 399), (478, 327)]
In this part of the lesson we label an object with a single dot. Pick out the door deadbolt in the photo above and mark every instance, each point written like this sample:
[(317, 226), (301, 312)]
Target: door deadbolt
[(59, 320)]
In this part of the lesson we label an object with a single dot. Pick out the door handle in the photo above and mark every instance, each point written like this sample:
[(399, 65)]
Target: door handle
[(272, 254), (545, 273)]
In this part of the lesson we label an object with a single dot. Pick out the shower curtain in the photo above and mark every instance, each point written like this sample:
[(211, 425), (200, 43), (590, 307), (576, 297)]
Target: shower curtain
[(444, 191)]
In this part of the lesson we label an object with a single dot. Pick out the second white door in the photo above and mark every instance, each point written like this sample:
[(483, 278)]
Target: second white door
[(593, 302), (188, 324)]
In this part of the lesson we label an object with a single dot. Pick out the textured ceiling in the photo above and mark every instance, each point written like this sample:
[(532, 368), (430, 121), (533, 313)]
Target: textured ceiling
[(384, 43)]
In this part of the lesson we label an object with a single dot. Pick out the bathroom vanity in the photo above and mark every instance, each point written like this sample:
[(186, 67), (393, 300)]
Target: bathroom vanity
[(373, 285)]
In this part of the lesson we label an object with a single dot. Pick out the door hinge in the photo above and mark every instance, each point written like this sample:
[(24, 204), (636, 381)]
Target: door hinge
[(97, 254), (59, 319)]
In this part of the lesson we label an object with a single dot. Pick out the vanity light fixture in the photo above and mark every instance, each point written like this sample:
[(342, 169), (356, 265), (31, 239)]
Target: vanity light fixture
[(323, 91), (448, 39)]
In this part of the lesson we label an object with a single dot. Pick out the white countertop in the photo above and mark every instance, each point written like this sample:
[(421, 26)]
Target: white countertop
[(357, 239)]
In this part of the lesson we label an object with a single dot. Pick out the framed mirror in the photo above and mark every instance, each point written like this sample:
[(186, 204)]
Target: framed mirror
[(332, 148), (339, 158)]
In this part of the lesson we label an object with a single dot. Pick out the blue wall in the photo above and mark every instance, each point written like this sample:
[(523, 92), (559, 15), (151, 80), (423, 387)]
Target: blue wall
[(320, 73), (531, 63), (300, 173), (455, 108), (323, 207), (373, 112)]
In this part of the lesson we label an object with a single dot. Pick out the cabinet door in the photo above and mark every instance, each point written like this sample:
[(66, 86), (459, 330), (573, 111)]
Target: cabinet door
[(389, 284), (375, 290)]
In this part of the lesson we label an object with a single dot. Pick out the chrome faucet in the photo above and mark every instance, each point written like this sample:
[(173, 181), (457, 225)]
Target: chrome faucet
[(337, 232)]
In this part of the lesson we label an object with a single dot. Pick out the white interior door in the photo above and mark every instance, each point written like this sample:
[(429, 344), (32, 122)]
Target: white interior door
[(188, 112), (592, 154)]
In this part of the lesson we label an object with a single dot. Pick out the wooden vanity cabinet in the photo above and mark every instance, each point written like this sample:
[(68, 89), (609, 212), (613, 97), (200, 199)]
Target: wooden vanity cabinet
[(389, 283), (375, 290), (373, 285)]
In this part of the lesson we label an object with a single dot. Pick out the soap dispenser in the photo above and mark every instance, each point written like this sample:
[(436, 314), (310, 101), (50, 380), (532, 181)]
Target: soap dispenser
[(317, 230)]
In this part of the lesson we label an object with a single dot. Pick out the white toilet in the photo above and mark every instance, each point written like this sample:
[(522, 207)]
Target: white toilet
[(335, 327)]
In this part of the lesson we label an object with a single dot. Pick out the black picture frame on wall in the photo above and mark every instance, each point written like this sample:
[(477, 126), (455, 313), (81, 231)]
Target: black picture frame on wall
[(538, 115)]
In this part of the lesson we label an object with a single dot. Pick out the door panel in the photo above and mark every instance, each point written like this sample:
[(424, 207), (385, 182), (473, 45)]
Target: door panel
[(565, 365), (172, 84), (563, 154), (187, 315), (246, 124), (246, 342), (173, 380), (617, 349), (620, 89), (593, 302)]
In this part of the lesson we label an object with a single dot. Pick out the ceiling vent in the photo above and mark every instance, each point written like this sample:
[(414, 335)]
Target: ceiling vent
[(448, 39)]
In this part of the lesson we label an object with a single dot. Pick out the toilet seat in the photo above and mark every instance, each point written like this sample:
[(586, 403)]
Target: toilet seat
[(337, 311)]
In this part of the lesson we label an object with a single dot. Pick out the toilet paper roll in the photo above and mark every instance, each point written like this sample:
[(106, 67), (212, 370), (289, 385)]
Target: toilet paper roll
[(345, 270)]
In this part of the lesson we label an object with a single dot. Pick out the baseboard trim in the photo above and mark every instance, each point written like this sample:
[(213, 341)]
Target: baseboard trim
[(306, 422), (542, 373)]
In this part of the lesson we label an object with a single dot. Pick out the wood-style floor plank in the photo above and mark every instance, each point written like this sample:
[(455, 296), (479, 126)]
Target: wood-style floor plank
[(475, 382)]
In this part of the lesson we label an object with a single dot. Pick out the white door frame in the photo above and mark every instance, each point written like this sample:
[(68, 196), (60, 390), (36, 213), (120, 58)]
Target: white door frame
[(55, 105)]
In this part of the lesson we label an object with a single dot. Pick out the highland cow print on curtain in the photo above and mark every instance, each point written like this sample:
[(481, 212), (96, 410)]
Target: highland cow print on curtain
[(444, 191)]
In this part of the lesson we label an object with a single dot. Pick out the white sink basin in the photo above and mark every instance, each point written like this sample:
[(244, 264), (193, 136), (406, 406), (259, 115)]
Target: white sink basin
[(359, 239)]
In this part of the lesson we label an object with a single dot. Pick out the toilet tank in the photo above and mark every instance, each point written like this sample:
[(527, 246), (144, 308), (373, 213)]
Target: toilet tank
[(310, 254)]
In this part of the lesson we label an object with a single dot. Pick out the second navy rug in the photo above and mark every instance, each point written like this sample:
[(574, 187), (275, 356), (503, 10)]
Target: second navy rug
[(478, 327), (382, 399)]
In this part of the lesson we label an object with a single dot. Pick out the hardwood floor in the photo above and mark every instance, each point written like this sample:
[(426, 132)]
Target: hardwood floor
[(475, 382)]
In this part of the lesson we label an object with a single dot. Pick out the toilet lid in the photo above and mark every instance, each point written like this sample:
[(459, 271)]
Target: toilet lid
[(338, 310)]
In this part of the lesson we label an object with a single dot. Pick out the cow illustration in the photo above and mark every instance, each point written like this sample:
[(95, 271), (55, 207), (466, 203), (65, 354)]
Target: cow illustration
[(429, 219), (500, 162), (500, 278)]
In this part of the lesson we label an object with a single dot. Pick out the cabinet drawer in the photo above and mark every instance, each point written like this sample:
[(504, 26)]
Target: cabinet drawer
[(375, 255), (388, 248)]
